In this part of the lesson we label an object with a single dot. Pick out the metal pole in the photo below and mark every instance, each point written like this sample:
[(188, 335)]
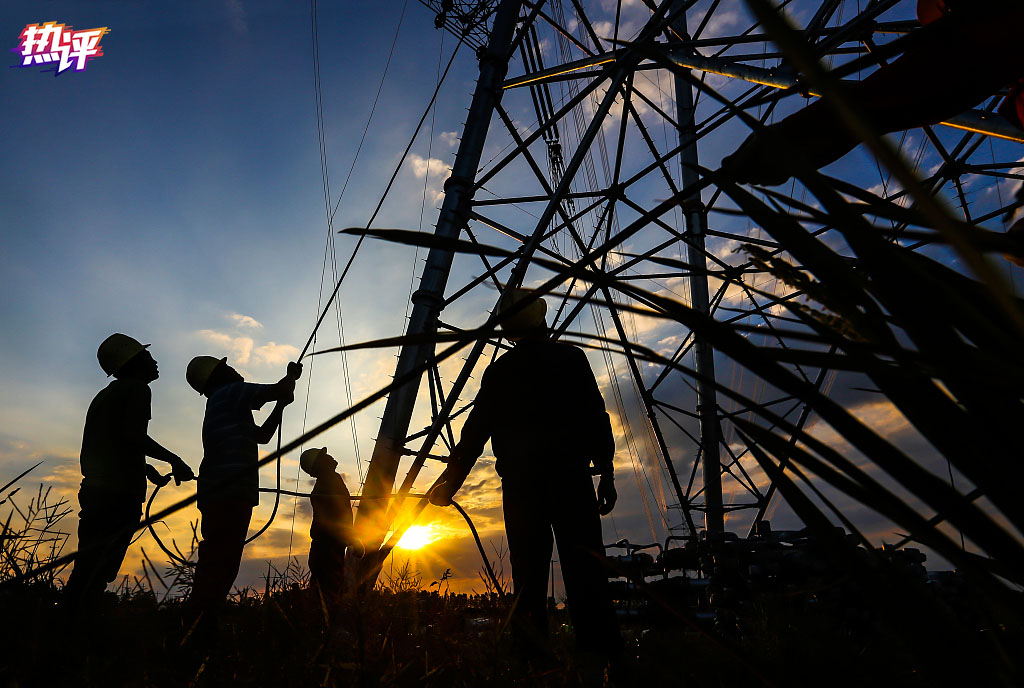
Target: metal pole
[(695, 216), (427, 300)]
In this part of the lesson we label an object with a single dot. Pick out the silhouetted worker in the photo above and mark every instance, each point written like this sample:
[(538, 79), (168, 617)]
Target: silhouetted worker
[(115, 445), (229, 472), (331, 531), (541, 408), (968, 51)]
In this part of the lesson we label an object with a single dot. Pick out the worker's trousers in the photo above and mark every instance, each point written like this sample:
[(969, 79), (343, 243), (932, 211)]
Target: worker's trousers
[(106, 525), (224, 527), (567, 507), (327, 568)]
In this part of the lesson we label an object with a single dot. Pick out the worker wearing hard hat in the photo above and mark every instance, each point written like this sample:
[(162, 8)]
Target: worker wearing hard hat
[(115, 445), (541, 408), (228, 474), (331, 531)]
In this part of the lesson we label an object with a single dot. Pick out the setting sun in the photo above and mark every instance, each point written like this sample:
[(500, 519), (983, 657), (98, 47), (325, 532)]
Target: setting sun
[(417, 537)]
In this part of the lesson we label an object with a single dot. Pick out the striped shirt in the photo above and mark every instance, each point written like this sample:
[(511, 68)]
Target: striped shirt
[(229, 469)]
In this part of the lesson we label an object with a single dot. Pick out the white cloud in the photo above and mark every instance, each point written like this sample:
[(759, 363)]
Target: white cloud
[(435, 170), (421, 166), (604, 29), (449, 138), (237, 349), (274, 354), (243, 350), (246, 321)]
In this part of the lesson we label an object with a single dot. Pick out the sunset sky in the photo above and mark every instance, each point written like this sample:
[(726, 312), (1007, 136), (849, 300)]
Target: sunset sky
[(172, 191)]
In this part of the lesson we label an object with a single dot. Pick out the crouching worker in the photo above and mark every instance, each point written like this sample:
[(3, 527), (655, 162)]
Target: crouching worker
[(331, 531), (229, 472), (115, 445)]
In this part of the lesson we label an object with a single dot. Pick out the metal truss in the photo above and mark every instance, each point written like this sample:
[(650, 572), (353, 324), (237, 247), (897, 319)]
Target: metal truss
[(575, 162)]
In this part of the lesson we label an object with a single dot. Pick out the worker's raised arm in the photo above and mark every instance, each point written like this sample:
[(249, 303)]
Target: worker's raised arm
[(265, 432), (284, 389)]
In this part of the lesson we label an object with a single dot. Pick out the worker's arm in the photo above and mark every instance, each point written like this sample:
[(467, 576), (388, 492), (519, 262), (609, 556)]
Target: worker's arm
[(601, 444), (603, 458), (136, 413), (284, 392), (265, 432), (182, 471), (352, 541), (284, 389), (474, 436)]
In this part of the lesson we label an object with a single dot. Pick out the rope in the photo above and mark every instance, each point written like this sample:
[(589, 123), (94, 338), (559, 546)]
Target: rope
[(174, 557), (480, 547), (380, 203), (277, 496)]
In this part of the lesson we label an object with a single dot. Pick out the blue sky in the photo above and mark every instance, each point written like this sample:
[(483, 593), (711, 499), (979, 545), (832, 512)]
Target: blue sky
[(173, 191), (174, 186)]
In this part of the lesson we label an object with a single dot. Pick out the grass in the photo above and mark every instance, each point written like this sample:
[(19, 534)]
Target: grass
[(817, 625), (421, 638)]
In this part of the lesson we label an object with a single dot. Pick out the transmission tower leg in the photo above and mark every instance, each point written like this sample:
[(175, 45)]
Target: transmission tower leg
[(427, 300), (695, 216)]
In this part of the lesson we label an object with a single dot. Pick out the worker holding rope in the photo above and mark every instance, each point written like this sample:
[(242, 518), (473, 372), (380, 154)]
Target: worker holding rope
[(541, 408), (228, 474), (115, 445)]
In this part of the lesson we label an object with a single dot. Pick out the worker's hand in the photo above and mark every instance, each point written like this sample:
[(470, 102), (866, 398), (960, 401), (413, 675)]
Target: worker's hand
[(294, 370), (181, 471), (356, 549), (606, 495), (440, 493), (447, 484), (154, 476)]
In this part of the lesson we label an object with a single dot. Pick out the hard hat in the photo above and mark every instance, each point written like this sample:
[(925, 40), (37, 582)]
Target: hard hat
[(309, 458), (116, 350), (526, 318), (200, 369)]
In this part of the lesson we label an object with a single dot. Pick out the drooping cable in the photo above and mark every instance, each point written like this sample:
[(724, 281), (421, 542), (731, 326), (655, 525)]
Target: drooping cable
[(387, 190)]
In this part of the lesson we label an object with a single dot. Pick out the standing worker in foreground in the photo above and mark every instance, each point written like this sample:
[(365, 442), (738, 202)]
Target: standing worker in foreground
[(540, 405), (115, 445), (229, 473), (331, 531)]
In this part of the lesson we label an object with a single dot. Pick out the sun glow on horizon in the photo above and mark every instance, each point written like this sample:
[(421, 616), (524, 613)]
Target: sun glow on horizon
[(417, 537)]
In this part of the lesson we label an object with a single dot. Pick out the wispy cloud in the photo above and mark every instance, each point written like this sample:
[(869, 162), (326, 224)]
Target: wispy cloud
[(274, 354), (237, 349), (421, 166), (236, 12), (435, 171), (246, 321)]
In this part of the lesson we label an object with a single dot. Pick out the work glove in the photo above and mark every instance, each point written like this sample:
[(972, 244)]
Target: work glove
[(154, 476), (181, 472), (606, 495), (294, 370), (447, 484)]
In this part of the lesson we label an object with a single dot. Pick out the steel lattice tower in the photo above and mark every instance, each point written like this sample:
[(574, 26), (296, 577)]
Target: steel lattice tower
[(596, 133)]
